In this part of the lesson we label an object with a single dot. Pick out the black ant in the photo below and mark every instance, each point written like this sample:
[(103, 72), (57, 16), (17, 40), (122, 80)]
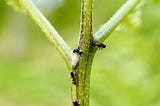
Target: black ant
[(98, 44), (78, 50), (75, 103), (73, 78), (101, 45)]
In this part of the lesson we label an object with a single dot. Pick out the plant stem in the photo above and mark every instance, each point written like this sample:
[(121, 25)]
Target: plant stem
[(115, 20), (81, 69), (48, 30), (85, 59)]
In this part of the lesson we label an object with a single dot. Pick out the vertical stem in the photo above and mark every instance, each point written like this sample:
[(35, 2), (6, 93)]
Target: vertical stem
[(82, 72), (84, 44), (87, 78)]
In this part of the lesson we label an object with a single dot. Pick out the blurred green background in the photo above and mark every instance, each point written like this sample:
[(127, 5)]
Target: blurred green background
[(126, 73)]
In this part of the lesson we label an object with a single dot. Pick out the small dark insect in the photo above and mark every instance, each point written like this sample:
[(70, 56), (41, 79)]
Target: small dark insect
[(101, 45), (78, 50), (98, 44), (73, 78), (75, 103)]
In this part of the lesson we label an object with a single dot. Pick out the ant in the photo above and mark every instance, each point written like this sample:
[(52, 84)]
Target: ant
[(78, 50), (75, 103), (73, 78), (98, 44), (101, 45)]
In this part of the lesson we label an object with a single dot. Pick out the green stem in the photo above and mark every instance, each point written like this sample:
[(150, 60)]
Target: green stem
[(84, 60), (82, 73), (115, 20), (48, 30), (81, 63)]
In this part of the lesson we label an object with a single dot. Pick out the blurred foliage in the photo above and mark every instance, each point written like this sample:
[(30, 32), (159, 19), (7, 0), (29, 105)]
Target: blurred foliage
[(15, 4), (126, 73)]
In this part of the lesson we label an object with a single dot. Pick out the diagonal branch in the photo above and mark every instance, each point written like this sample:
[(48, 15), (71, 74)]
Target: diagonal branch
[(48, 30), (115, 20)]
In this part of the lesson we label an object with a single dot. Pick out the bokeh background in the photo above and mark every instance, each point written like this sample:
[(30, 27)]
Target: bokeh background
[(126, 73)]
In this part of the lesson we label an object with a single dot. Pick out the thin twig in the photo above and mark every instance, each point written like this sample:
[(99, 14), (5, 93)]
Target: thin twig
[(115, 20), (48, 30)]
